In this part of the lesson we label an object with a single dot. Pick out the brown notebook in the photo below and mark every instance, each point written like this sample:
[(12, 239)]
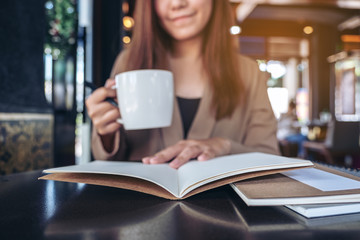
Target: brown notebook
[(164, 181), (279, 189)]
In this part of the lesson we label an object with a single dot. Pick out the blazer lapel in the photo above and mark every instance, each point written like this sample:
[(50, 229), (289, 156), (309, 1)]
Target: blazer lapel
[(201, 128), (175, 132), (204, 121)]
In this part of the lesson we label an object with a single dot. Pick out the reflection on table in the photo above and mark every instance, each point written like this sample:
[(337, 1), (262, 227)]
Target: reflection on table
[(35, 209)]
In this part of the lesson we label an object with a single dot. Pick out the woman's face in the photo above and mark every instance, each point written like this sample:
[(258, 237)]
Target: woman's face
[(184, 19)]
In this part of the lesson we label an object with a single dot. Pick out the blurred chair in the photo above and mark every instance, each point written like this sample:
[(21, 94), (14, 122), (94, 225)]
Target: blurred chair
[(288, 149), (342, 139)]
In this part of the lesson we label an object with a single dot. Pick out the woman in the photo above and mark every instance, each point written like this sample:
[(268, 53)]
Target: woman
[(222, 105)]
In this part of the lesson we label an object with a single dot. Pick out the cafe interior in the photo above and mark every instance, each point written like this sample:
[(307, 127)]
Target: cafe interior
[(51, 49), (309, 48)]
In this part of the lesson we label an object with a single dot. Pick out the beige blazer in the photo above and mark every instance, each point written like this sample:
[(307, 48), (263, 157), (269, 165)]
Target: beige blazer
[(252, 127)]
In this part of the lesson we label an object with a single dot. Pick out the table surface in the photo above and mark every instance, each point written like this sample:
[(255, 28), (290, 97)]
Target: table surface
[(39, 209)]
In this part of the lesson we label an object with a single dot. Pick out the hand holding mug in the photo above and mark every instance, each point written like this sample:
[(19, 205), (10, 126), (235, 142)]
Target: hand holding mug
[(145, 100), (103, 114)]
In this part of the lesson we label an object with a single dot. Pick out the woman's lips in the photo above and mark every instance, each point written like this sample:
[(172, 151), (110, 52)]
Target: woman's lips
[(182, 18)]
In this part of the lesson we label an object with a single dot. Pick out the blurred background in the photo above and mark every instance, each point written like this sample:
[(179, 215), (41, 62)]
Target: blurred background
[(50, 48)]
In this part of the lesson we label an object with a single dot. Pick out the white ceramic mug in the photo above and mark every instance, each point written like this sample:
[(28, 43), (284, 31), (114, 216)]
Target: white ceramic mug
[(146, 98)]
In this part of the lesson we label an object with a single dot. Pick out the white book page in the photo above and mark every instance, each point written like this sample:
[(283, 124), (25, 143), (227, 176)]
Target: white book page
[(322, 210), (160, 174), (195, 173), (322, 180)]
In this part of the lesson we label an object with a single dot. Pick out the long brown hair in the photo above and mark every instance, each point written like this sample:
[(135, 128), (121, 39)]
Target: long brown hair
[(150, 43)]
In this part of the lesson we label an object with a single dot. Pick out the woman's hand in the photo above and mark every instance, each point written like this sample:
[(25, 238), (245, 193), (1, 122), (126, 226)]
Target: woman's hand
[(102, 113), (185, 150)]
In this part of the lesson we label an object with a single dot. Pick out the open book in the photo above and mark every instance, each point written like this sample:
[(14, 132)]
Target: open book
[(164, 181)]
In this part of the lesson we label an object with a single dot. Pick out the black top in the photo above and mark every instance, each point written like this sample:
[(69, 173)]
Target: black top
[(188, 108)]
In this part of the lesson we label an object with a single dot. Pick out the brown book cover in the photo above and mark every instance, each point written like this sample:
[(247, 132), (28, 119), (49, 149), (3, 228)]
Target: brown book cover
[(279, 189)]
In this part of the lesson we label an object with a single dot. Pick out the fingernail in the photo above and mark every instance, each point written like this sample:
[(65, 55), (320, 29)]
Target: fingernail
[(174, 164), (154, 160), (109, 83), (202, 158)]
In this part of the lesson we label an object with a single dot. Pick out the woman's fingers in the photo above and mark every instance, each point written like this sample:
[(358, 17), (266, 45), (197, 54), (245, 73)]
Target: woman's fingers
[(109, 83), (106, 123), (206, 155), (188, 153), (98, 109), (165, 155), (101, 112), (99, 95), (186, 150)]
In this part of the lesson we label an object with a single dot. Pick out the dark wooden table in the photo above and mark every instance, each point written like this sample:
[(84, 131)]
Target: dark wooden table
[(38, 209)]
